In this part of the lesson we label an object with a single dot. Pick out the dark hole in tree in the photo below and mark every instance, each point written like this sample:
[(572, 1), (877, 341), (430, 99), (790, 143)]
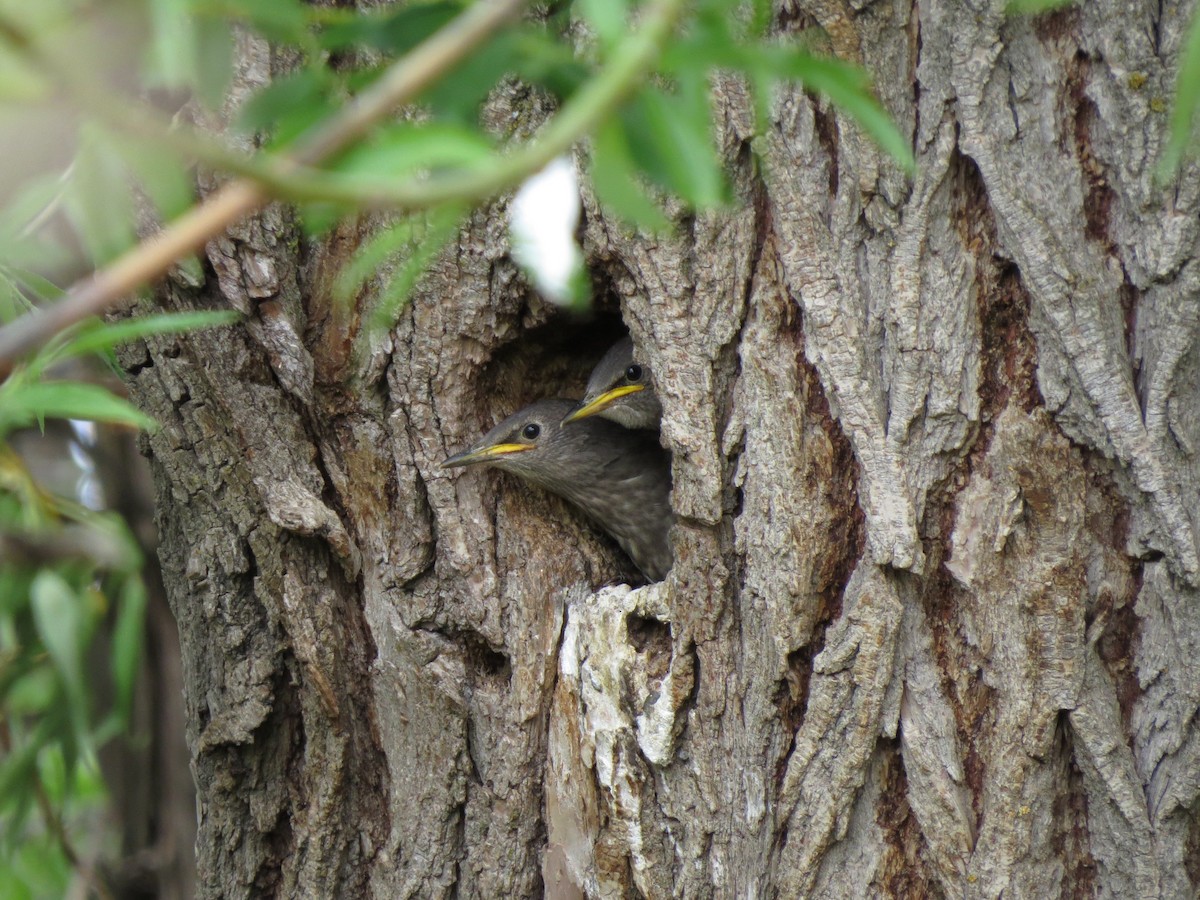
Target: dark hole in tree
[(481, 656), (652, 639), (550, 360)]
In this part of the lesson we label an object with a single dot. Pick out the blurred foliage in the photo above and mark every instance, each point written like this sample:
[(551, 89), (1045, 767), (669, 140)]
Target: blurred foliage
[(34, 866), (661, 142), (66, 572), (1033, 7), (1187, 100)]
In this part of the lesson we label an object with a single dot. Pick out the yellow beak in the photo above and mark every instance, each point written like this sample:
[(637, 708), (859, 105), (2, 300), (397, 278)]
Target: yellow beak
[(484, 454), (603, 402)]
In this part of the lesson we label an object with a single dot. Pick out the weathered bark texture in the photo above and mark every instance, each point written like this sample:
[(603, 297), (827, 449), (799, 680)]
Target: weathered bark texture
[(934, 623)]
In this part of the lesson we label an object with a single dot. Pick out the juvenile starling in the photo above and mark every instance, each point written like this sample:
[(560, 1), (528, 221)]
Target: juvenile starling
[(621, 390), (620, 478)]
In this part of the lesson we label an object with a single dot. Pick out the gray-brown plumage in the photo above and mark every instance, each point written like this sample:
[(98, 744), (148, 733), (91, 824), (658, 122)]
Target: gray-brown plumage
[(620, 478), (620, 389)]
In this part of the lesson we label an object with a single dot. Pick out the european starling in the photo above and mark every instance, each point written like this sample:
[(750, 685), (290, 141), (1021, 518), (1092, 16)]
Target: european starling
[(620, 478), (621, 390)]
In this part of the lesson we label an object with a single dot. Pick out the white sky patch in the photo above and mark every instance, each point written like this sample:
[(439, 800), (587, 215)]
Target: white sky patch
[(87, 489), (543, 217), (85, 431)]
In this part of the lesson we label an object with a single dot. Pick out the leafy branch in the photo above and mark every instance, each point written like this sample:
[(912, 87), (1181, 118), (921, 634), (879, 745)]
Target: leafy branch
[(151, 259), (293, 173)]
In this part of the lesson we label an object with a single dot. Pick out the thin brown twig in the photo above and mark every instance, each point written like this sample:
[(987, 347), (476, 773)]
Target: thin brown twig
[(153, 257), (58, 830), (54, 823)]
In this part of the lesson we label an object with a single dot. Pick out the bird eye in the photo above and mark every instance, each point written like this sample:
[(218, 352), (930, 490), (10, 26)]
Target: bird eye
[(531, 431), (633, 373)]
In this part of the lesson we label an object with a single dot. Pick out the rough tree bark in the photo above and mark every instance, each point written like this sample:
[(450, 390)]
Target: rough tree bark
[(934, 623)]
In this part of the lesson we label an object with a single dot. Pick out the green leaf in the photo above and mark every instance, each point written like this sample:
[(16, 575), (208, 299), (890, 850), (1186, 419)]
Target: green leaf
[(127, 643), (607, 17), (1032, 7), (55, 775), (23, 403), (173, 58), (162, 176), (98, 201), (29, 202), (89, 787), (99, 335), (214, 46), (20, 82), (762, 14), (694, 130), (12, 302), (403, 148), (289, 105), (1187, 98), (279, 21), (848, 88), (670, 139), (615, 180), (24, 243), (18, 765), (40, 869), (423, 239), (317, 218), (394, 32), (373, 254), (58, 614), (32, 693), (542, 59), (762, 88), (708, 44), (36, 285), (460, 92), (443, 225)]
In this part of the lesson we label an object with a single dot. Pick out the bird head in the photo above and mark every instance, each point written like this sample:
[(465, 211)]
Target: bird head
[(532, 443), (620, 477), (620, 389)]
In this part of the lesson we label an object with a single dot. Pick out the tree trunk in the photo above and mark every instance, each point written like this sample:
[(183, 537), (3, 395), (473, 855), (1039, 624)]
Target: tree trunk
[(934, 621)]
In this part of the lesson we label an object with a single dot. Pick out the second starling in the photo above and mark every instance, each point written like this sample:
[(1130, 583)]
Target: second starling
[(620, 389), (619, 478)]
